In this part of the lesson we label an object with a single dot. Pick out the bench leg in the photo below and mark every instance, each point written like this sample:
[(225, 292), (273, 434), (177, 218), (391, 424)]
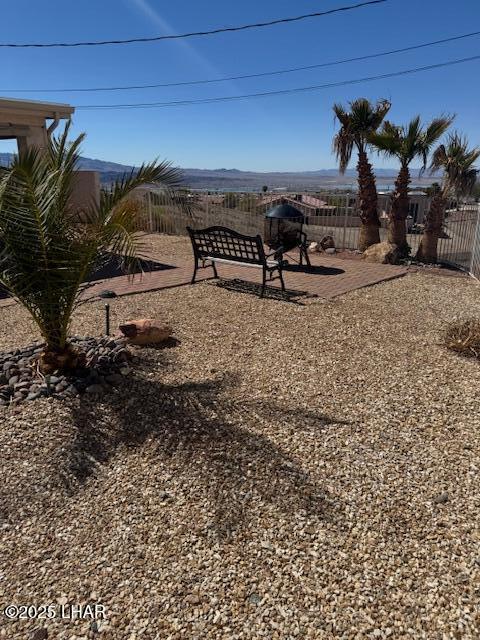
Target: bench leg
[(215, 273), (264, 281), (192, 281)]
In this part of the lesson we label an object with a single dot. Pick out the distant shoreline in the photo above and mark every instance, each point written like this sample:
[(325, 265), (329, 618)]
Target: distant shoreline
[(381, 186)]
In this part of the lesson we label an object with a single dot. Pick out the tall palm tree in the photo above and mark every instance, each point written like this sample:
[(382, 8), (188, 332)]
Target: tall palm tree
[(406, 143), (357, 125), (459, 178), (46, 254)]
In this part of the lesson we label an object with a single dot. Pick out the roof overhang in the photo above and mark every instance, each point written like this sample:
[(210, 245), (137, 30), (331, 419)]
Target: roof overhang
[(27, 108)]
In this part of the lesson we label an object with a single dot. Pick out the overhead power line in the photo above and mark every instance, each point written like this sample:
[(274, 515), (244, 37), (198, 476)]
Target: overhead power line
[(147, 105), (257, 25), (309, 67)]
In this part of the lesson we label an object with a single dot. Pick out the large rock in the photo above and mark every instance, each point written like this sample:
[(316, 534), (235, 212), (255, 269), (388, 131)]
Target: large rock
[(146, 331), (382, 253), (327, 242)]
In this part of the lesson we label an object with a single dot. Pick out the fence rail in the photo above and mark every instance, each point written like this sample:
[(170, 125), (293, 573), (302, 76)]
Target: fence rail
[(335, 215)]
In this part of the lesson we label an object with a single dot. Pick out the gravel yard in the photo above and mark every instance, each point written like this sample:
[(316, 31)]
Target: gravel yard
[(283, 472)]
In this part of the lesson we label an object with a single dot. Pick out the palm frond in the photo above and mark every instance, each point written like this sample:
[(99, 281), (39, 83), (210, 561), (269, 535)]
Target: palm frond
[(380, 111), (343, 147), (436, 128), (45, 253), (357, 126), (160, 174), (387, 141), (340, 113), (409, 141), (456, 160)]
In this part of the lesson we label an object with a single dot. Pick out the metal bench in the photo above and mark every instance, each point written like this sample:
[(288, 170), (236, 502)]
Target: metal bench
[(220, 244)]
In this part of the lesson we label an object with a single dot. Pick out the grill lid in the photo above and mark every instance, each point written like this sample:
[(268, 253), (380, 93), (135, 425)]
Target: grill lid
[(285, 211)]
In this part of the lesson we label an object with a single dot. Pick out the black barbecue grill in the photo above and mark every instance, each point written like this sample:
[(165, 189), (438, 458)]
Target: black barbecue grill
[(284, 228)]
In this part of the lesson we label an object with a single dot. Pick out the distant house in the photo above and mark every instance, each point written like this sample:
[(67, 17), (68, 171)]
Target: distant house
[(419, 204), (309, 205)]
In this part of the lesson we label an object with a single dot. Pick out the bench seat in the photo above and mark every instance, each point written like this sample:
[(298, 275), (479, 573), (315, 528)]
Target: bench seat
[(270, 263)]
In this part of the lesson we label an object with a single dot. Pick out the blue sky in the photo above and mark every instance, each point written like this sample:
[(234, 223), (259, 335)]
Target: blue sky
[(270, 134)]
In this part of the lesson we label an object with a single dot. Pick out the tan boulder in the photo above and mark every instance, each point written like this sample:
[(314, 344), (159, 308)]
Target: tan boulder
[(382, 253), (327, 242), (313, 247), (146, 331)]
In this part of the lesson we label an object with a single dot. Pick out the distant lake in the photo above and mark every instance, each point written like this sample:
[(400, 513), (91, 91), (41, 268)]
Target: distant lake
[(322, 186)]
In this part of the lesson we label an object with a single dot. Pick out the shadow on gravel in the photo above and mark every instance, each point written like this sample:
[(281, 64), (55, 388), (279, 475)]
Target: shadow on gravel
[(253, 288), (207, 437), (169, 343)]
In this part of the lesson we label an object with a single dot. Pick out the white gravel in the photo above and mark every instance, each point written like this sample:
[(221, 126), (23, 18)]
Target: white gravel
[(283, 472)]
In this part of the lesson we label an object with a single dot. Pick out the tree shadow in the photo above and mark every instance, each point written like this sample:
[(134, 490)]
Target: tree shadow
[(209, 435), (110, 266)]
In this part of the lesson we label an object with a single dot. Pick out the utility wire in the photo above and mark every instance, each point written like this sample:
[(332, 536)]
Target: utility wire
[(250, 75), (147, 105), (244, 27)]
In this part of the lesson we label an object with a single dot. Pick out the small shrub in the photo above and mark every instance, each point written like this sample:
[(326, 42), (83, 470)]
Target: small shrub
[(464, 338)]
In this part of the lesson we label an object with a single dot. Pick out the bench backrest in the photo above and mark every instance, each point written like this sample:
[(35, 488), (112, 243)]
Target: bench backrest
[(221, 242)]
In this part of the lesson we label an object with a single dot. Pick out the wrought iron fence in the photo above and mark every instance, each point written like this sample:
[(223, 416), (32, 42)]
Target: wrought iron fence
[(328, 213)]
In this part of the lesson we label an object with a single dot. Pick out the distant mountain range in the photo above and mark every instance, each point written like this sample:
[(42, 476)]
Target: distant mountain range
[(234, 179)]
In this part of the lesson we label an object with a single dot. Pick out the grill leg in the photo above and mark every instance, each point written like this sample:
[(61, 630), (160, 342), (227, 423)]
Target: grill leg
[(214, 270), (304, 255), (280, 275), (307, 257)]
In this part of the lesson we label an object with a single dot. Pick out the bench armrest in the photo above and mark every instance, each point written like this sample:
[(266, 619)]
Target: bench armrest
[(278, 254)]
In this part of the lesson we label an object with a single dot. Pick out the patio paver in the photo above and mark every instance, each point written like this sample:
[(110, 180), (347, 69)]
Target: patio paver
[(341, 277)]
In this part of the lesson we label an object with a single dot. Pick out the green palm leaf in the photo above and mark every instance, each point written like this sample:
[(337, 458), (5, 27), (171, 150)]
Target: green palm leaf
[(357, 125), (456, 160), (46, 253)]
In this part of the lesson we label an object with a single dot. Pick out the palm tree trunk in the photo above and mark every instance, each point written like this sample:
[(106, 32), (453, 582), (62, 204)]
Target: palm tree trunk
[(61, 359), (427, 251), (369, 234), (367, 205), (59, 354), (397, 232)]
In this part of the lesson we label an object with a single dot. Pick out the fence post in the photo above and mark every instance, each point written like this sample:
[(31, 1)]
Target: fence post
[(475, 255), (149, 208), (345, 224)]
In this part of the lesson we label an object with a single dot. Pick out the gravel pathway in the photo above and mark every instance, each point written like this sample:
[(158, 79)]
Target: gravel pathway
[(282, 472)]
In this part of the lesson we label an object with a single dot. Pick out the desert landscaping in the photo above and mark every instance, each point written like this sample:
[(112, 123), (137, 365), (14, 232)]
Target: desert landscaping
[(278, 470)]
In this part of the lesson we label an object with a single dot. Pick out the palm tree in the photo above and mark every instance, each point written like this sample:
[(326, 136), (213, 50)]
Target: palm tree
[(357, 125), (46, 253), (406, 143), (459, 178)]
